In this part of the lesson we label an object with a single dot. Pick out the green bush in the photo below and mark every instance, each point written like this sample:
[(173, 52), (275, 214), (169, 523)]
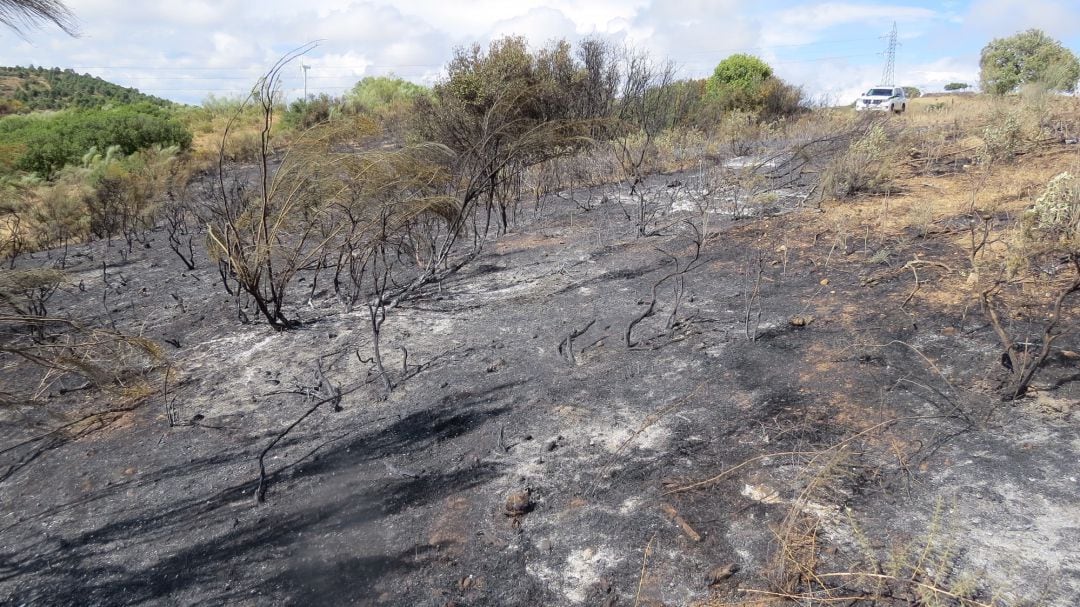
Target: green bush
[(44, 144), (866, 166), (306, 113), (739, 74), (1054, 219), (744, 82), (381, 95)]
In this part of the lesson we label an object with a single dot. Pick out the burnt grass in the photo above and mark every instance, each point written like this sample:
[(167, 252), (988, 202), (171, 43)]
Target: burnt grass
[(402, 500)]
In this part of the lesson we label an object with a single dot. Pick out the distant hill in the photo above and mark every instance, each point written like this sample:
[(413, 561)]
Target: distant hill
[(26, 89)]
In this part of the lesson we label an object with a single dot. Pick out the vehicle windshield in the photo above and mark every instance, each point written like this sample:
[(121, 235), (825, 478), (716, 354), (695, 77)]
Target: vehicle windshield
[(879, 93)]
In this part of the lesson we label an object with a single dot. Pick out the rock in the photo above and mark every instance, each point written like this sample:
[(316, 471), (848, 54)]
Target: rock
[(761, 493), (824, 282), (801, 321), (518, 504), (544, 545), (721, 573)]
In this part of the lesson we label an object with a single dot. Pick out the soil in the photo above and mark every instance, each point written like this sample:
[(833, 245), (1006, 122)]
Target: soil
[(501, 472)]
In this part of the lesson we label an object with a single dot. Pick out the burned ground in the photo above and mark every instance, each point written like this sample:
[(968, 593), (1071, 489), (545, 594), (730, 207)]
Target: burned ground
[(646, 468)]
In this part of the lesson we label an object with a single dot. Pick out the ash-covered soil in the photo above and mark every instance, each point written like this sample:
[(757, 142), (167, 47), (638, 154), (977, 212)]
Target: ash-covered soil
[(501, 471)]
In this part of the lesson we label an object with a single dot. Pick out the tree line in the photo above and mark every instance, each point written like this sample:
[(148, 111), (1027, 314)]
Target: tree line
[(30, 89)]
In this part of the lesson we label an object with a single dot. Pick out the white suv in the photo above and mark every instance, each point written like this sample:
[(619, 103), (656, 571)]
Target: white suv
[(882, 99)]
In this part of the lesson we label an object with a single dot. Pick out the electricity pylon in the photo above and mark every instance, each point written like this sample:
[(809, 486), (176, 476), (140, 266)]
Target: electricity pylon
[(888, 77)]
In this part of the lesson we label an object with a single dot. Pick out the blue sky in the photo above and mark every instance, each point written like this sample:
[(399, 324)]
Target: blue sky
[(189, 50)]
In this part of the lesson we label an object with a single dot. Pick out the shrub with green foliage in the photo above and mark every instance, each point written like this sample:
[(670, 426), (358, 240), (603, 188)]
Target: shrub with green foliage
[(383, 94), (744, 82), (1029, 57), (1054, 220), (866, 166), (306, 113), (43, 144), (739, 73)]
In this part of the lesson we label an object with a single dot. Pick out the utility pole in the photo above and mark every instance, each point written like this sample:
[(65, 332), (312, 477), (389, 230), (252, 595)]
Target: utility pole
[(306, 68), (888, 77)]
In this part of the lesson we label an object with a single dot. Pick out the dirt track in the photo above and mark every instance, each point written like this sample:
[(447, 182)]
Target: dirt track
[(404, 501)]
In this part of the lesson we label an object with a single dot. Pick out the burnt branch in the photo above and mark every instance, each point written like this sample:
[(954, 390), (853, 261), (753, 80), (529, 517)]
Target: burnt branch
[(566, 346), (1020, 358), (678, 275)]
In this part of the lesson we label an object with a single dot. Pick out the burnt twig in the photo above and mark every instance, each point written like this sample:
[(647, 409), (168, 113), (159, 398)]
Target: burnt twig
[(566, 346)]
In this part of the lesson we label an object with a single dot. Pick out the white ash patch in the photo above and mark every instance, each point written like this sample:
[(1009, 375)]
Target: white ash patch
[(631, 504), (583, 569)]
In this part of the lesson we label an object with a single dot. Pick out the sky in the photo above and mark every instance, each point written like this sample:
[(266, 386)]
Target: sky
[(187, 51)]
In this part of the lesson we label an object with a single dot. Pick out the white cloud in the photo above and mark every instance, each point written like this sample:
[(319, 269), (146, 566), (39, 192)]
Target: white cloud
[(936, 74), (695, 34), (817, 17), (186, 50), (806, 23), (538, 25), (998, 18)]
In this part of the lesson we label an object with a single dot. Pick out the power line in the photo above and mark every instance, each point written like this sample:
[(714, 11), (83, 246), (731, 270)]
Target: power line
[(811, 60), (776, 46)]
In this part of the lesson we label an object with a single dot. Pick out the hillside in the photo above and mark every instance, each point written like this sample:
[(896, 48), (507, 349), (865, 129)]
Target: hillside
[(27, 89), (765, 401)]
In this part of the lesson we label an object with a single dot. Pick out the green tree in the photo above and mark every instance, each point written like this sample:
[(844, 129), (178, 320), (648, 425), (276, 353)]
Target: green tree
[(744, 82), (912, 92), (739, 73), (1029, 57), (957, 86)]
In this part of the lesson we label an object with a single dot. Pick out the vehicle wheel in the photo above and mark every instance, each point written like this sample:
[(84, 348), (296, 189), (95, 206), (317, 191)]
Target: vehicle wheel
[(901, 110)]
